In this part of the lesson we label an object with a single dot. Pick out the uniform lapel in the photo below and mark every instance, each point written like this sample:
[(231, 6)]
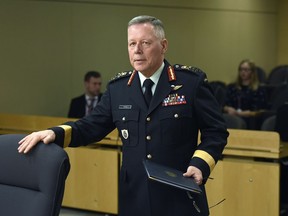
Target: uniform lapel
[(136, 93), (162, 90)]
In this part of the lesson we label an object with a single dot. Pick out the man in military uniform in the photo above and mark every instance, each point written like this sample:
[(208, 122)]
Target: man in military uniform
[(159, 110)]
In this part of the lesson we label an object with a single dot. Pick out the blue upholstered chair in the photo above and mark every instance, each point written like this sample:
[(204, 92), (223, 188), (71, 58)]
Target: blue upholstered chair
[(234, 122), (31, 184)]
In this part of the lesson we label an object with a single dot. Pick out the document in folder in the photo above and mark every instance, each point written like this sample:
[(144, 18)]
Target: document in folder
[(170, 176)]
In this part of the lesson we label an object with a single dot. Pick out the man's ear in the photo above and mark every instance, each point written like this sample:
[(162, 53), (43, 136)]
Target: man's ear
[(164, 44)]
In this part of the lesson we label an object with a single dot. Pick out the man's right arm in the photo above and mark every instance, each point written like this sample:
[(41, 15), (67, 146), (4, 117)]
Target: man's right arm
[(84, 131)]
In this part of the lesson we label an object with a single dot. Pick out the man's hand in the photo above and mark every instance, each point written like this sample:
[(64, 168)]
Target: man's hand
[(28, 142), (195, 173)]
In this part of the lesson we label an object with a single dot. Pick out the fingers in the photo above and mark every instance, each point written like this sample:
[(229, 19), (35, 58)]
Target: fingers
[(28, 142), (50, 137), (195, 173)]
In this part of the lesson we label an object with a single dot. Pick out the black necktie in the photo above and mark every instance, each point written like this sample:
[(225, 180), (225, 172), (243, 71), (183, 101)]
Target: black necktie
[(148, 83)]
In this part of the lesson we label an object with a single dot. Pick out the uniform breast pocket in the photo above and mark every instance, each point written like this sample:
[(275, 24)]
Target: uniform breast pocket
[(176, 125), (126, 122)]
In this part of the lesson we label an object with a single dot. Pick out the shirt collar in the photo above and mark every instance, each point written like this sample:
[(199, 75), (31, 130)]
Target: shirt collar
[(87, 97), (155, 77)]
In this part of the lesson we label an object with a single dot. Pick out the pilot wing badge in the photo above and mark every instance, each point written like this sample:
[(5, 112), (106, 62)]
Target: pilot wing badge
[(176, 87), (125, 133)]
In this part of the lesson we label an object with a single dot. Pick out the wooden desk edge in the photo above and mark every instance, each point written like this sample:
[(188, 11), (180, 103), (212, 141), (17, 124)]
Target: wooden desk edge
[(241, 137)]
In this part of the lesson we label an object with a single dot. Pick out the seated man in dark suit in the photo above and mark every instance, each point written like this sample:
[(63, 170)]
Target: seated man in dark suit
[(84, 104)]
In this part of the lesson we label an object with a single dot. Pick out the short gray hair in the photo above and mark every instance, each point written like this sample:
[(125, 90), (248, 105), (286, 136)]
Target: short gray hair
[(156, 23)]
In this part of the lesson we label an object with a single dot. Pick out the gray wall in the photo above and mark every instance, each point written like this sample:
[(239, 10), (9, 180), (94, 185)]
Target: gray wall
[(47, 46)]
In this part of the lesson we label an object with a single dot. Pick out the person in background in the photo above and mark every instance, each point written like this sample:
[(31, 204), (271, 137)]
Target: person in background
[(84, 104), (245, 97), (158, 110)]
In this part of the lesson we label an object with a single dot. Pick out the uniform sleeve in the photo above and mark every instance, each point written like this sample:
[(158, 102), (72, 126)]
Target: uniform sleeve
[(213, 130), (89, 129)]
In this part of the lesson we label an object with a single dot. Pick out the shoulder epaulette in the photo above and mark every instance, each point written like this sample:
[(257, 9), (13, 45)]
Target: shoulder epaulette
[(188, 68), (195, 70), (121, 75)]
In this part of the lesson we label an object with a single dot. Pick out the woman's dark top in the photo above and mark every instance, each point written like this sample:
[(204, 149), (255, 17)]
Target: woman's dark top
[(245, 98)]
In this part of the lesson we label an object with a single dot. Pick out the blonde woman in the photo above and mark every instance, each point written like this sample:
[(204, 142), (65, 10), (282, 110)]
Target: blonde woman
[(245, 97)]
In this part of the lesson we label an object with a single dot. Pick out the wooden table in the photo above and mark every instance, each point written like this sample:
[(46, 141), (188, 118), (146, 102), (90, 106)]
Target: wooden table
[(248, 177)]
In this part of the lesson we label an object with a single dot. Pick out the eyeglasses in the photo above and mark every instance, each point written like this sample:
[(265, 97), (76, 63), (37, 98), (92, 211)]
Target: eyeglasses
[(244, 69)]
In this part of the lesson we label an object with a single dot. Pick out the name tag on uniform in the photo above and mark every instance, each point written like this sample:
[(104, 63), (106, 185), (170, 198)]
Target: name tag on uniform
[(125, 107)]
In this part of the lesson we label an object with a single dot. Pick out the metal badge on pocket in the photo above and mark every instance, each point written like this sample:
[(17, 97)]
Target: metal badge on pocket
[(125, 133)]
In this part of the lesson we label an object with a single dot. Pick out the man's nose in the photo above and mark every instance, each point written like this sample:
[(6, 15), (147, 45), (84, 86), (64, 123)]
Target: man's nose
[(138, 48)]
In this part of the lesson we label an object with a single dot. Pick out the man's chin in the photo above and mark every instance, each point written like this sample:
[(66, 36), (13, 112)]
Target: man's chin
[(139, 67)]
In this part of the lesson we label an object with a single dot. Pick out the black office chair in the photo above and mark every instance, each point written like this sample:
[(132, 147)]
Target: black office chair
[(234, 122), (281, 124), (269, 123), (31, 184), (278, 97), (220, 90), (278, 75), (261, 75)]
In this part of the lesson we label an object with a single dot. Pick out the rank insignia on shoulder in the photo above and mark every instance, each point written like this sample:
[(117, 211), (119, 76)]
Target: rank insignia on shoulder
[(185, 67), (122, 74), (174, 99)]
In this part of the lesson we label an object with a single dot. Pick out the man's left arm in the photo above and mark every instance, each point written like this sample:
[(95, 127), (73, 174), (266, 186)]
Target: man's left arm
[(213, 131)]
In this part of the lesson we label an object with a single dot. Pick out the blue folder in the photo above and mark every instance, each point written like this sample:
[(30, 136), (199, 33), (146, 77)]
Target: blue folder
[(170, 176)]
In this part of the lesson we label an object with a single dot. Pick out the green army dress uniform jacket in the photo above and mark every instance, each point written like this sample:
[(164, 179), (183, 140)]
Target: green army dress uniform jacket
[(166, 132)]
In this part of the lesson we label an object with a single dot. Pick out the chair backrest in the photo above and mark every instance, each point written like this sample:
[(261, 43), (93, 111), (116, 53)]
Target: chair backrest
[(269, 124), (33, 183), (234, 122), (282, 122), (219, 89), (278, 75), (278, 96), (261, 75)]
